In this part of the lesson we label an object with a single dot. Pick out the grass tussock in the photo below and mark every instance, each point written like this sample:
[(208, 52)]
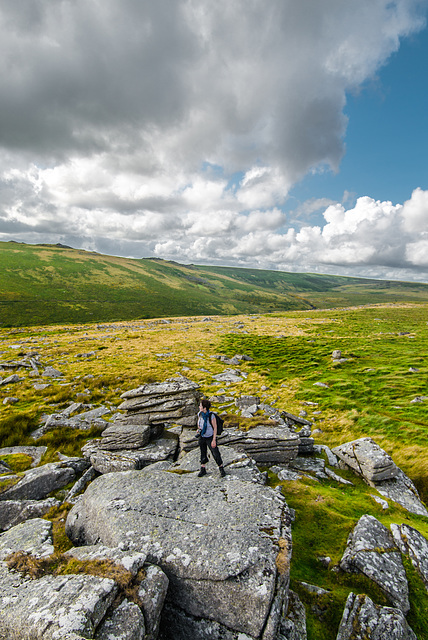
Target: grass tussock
[(59, 564)]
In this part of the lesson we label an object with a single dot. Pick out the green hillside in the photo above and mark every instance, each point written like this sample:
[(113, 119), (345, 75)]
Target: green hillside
[(48, 284)]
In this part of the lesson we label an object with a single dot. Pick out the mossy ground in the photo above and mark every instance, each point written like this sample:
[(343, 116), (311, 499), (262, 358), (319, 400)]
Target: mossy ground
[(368, 394)]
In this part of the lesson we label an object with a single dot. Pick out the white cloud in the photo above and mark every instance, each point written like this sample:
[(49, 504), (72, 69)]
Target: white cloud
[(178, 128)]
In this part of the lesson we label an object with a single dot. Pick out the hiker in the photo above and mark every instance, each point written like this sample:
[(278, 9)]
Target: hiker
[(207, 433)]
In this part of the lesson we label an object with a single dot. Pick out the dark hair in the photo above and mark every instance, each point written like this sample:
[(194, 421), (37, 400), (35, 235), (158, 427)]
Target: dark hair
[(206, 403)]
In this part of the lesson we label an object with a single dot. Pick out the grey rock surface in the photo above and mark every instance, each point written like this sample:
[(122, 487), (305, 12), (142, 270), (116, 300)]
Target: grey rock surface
[(236, 464), (217, 541), (413, 544), (126, 622), (13, 512), (123, 460), (125, 436), (33, 536), (132, 561), (176, 624), (38, 483), (402, 490), (293, 624), (362, 619), (54, 608), (367, 459), (371, 550), (51, 372), (151, 594)]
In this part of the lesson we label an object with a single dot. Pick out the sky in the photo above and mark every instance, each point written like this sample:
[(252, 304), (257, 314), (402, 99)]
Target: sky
[(277, 135)]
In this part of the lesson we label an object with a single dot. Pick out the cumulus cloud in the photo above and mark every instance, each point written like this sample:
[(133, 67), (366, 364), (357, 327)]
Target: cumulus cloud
[(177, 128)]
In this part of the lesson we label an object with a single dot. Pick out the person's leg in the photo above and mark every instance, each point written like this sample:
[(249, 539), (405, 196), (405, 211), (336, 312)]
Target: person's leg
[(204, 458), (217, 457)]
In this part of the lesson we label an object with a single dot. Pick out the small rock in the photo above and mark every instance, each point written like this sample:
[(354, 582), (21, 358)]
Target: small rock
[(10, 400), (413, 370), (383, 503), (321, 384), (50, 372), (10, 380)]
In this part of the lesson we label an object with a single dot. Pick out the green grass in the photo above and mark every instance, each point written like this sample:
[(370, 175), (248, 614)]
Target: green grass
[(47, 284), (369, 394)]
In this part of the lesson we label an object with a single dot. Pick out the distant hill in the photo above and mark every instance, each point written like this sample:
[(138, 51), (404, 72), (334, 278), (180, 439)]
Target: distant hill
[(49, 284)]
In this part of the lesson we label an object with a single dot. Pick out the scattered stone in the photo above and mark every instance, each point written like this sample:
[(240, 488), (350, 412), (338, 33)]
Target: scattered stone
[(363, 619), (321, 384), (334, 476), (10, 400), (230, 375), (33, 536), (418, 399), (50, 372), (371, 550), (413, 370), (312, 588), (383, 503), (313, 466), (413, 544), (331, 457), (10, 380), (337, 354), (244, 402), (367, 459), (217, 541), (40, 386), (325, 561), (13, 512)]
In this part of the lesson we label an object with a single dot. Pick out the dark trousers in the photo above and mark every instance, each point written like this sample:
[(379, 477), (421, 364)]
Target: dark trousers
[(204, 443)]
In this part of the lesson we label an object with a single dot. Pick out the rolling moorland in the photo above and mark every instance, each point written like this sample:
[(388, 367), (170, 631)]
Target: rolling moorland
[(46, 284), (385, 351)]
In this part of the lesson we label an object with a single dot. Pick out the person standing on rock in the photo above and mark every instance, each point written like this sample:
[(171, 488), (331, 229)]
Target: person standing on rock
[(207, 433)]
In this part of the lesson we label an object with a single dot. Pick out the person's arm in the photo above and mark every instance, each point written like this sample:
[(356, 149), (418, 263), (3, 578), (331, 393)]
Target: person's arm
[(214, 426)]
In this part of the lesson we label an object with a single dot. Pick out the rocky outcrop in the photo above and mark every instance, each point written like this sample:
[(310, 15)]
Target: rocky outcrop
[(363, 619), (371, 551), (106, 461), (268, 445), (175, 400), (377, 468), (224, 545), (413, 544)]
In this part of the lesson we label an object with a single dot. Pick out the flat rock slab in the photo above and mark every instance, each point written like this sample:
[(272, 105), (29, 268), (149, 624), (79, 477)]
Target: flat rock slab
[(236, 463), (415, 545), (13, 512), (125, 436), (38, 483), (367, 459), (36, 453), (54, 607), (172, 386), (371, 550), (218, 541), (264, 444), (363, 619), (402, 490), (33, 536)]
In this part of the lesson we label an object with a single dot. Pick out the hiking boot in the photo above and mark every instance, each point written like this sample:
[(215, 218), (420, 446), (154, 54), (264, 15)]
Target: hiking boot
[(222, 472), (202, 472)]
